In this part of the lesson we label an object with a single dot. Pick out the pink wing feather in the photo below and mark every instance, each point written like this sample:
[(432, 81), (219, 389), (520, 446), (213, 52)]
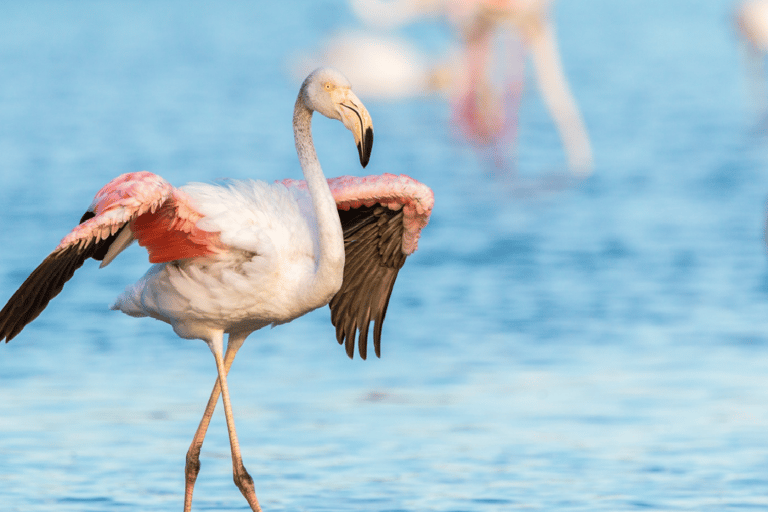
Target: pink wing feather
[(171, 232), (160, 216), (389, 190)]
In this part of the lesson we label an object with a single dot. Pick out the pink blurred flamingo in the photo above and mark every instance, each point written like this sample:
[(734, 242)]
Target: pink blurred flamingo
[(485, 114), (233, 259)]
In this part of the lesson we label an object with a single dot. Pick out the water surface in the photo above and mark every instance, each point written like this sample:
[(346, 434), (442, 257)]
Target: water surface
[(590, 346)]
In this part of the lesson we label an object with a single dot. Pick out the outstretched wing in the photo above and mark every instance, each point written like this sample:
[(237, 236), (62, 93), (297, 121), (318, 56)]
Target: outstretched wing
[(141, 206), (372, 241), (382, 218)]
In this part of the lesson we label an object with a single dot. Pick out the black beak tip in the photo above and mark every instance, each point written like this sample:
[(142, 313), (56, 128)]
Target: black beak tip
[(363, 157), (364, 149)]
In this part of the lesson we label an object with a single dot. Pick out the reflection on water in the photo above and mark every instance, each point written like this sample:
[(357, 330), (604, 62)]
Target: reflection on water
[(599, 346)]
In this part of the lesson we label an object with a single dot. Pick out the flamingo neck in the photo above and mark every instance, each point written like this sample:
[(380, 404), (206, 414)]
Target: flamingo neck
[(330, 239)]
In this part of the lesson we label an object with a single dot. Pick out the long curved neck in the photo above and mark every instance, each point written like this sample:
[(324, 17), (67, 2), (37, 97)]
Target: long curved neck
[(330, 261)]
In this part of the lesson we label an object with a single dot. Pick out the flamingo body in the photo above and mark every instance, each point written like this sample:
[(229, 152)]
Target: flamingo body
[(262, 276), (256, 240), (234, 257)]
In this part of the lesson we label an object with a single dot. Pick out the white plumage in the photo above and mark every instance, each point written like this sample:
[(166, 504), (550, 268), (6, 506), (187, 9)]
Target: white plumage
[(263, 277)]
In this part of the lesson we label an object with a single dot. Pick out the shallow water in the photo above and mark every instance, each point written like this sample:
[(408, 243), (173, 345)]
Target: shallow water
[(551, 346)]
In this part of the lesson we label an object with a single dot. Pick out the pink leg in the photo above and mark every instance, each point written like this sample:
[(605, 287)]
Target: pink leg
[(192, 467)]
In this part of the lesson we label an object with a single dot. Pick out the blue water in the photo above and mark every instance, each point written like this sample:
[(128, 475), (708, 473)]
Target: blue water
[(600, 345)]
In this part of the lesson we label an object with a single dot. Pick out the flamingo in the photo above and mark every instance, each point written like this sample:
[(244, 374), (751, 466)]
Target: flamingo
[(486, 116), (751, 18), (380, 65), (237, 257)]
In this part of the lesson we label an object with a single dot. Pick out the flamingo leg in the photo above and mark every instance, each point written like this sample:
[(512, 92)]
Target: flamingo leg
[(242, 479), (192, 467)]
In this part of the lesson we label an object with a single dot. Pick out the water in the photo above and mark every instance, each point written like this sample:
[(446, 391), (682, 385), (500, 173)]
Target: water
[(599, 346)]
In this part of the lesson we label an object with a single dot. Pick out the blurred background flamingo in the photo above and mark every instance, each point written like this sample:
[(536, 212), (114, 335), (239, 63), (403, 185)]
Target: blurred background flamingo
[(751, 19), (483, 78)]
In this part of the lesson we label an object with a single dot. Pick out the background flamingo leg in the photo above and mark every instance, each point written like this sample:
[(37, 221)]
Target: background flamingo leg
[(558, 98)]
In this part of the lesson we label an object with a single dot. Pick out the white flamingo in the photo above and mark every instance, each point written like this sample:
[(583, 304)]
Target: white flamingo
[(380, 65), (233, 259), (751, 19)]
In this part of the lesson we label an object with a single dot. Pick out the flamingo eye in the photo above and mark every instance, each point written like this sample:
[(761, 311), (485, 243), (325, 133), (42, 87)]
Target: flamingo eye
[(328, 86)]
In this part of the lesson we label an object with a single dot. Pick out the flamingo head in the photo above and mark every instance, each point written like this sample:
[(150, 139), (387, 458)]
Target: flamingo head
[(328, 92)]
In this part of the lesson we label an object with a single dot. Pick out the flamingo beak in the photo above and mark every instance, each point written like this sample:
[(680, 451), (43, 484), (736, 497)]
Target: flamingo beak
[(355, 117)]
